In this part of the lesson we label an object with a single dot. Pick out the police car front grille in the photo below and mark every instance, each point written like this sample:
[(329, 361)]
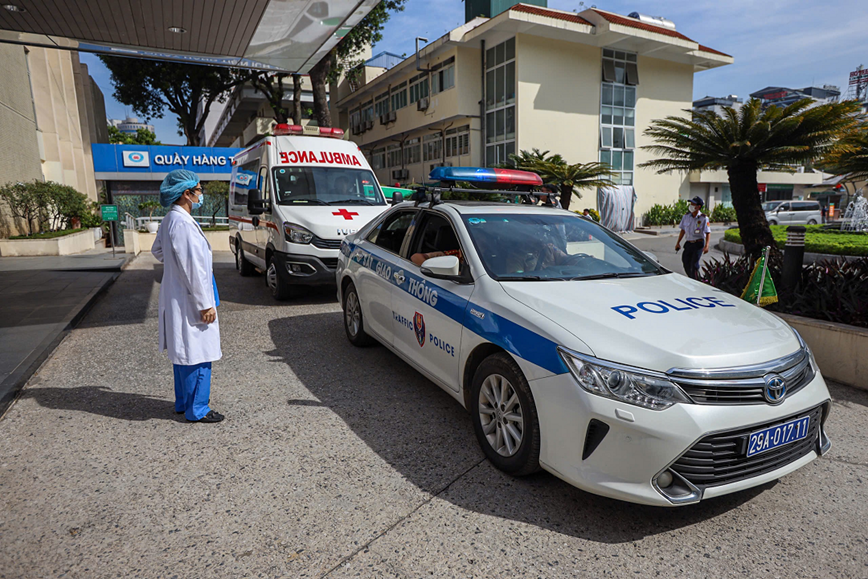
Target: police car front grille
[(796, 371), (326, 243), (721, 458)]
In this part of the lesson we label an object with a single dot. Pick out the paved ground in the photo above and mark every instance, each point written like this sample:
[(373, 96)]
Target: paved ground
[(40, 299), (663, 246), (340, 462)]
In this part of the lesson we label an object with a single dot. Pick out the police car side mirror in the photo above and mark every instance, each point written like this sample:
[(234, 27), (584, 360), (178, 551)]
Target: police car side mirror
[(443, 267), (397, 198), (255, 204)]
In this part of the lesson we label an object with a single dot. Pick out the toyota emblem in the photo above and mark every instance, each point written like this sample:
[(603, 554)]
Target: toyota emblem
[(775, 389)]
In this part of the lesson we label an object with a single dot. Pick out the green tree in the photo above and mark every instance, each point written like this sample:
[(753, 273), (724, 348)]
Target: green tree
[(849, 156), (271, 86), (345, 55), (142, 137), (216, 199), (554, 170), (746, 141), (22, 202), (151, 87), (59, 204)]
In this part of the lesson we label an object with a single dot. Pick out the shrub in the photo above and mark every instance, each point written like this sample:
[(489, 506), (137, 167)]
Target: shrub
[(722, 213), (817, 240), (22, 202), (594, 214), (666, 214), (831, 290)]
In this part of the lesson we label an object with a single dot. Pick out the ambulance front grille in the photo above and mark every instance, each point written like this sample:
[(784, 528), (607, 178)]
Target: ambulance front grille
[(326, 243)]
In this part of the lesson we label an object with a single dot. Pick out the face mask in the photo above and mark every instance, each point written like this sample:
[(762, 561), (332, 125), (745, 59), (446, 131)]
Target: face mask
[(198, 204), (693, 208)]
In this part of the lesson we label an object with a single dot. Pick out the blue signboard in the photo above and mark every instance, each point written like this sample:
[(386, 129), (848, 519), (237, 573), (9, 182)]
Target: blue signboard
[(152, 162)]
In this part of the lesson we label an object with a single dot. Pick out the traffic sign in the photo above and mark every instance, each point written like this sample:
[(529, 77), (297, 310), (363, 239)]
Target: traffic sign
[(109, 212)]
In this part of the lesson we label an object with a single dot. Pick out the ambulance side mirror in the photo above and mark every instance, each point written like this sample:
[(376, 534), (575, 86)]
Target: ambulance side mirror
[(255, 204), (397, 198)]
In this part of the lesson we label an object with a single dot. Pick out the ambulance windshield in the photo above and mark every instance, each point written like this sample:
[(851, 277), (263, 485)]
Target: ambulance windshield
[(326, 186), (542, 247)]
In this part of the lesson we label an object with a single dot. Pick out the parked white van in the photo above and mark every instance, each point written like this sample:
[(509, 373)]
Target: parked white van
[(292, 198), (793, 213)]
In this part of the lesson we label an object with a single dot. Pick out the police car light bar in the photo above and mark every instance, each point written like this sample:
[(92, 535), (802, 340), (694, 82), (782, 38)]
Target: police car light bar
[(483, 175), (284, 129)]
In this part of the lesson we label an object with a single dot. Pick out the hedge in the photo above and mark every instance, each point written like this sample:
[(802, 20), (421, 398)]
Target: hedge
[(817, 240)]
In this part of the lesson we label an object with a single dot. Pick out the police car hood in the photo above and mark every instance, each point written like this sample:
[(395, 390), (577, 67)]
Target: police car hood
[(659, 322), (332, 221)]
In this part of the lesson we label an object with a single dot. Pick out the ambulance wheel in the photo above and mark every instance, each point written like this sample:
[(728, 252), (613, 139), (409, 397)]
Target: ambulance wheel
[(280, 290), (504, 416), (354, 324), (244, 267)]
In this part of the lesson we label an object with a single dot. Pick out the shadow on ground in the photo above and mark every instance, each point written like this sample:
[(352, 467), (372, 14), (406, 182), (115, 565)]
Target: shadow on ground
[(104, 402), (427, 436)]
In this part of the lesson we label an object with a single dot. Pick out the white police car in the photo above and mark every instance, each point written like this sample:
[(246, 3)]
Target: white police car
[(576, 353)]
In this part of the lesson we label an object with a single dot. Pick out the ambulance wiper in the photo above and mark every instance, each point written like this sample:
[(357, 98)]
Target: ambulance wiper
[(350, 202)]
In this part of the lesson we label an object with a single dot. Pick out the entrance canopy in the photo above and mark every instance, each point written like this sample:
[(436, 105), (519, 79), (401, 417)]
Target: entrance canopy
[(284, 35), (153, 163)]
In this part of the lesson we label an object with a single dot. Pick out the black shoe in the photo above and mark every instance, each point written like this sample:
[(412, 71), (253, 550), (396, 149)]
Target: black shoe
[(212, 416)]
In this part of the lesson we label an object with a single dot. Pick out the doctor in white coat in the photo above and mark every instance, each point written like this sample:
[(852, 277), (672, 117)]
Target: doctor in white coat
[(189, 329)]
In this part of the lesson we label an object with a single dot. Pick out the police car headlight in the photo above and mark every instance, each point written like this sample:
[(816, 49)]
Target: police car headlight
[(631, 385), (296, 233)]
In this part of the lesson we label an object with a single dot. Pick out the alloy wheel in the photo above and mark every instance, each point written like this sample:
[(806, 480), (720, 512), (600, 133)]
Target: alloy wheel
[(352, 314), (501, 415)]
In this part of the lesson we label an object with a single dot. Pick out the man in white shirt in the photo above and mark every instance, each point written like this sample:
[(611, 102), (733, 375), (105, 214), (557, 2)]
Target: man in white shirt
[(694, 226)]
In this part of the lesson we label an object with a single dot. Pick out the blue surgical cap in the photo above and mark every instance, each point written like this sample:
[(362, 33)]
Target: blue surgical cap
[(174, 185)]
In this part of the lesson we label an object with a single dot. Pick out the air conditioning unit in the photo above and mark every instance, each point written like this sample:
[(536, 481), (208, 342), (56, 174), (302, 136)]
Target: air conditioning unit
[(357, 129), (422, 104), (384, 118), (393, 116), (401, 174), (368, 125)]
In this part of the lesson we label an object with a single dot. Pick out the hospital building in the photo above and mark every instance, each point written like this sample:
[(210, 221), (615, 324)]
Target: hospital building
[(582, 84)]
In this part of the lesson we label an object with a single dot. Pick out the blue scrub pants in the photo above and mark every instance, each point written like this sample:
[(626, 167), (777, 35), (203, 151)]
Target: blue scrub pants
[(193, 390)]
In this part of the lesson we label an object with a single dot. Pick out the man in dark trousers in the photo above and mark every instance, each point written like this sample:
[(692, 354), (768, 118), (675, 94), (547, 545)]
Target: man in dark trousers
[(694, 226)]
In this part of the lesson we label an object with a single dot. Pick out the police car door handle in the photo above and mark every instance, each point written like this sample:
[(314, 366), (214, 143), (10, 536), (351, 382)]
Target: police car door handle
[(399, 277)]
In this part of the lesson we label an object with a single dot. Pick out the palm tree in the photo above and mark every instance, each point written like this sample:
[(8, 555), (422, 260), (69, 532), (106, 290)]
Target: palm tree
[(554, 170), (849, 156), (572, 178), (745, 141)]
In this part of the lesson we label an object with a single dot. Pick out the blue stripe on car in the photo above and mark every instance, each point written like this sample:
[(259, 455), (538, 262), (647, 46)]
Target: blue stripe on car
[(512, 337)]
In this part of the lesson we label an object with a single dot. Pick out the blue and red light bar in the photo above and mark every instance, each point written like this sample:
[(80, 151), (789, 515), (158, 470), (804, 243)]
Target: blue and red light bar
[(484, 175)]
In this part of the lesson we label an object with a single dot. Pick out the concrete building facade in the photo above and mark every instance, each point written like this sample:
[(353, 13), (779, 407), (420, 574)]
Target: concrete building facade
[(582, 85), (50, 113)]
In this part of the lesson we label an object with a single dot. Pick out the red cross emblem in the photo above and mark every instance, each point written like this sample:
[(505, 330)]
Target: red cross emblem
[(345, 214)]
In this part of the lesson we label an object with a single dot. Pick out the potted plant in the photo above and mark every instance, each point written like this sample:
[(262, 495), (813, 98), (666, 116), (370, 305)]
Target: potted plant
[(150, 207)]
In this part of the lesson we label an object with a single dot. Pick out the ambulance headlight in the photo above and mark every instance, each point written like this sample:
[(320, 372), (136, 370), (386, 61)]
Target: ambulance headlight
[(296, 233), (631, 385)]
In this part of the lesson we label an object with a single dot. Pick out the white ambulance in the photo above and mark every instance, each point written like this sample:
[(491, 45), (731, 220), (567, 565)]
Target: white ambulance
[(293, 197)]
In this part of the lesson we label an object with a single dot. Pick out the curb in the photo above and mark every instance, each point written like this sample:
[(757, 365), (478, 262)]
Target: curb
[(15, 382)]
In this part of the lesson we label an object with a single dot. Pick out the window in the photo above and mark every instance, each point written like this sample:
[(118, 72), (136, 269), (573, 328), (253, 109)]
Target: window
[(413, 151), (368, 112), (458, 141), (378, 159), (399, 96), (432, 147), (381, 104), (356, 118), (391, 232), (499, 103), (436, 235), (618, 116), (620, 67), (243, 181), (418, 87), (443, 76), (393, 156)]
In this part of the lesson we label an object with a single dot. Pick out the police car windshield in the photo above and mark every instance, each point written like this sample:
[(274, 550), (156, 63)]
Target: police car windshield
[(540, 247), (326, 186)]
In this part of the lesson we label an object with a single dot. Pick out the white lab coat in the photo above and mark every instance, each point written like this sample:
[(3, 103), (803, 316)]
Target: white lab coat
[(187, 289)]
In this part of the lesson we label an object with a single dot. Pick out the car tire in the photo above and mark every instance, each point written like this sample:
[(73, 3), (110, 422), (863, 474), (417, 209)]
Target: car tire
[(772, 222), (812, 222), (354, 323), (504, 416), (244, 267), (280, 290)]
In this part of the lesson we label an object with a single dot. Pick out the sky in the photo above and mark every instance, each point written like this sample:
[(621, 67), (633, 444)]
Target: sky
[(789, 43)]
